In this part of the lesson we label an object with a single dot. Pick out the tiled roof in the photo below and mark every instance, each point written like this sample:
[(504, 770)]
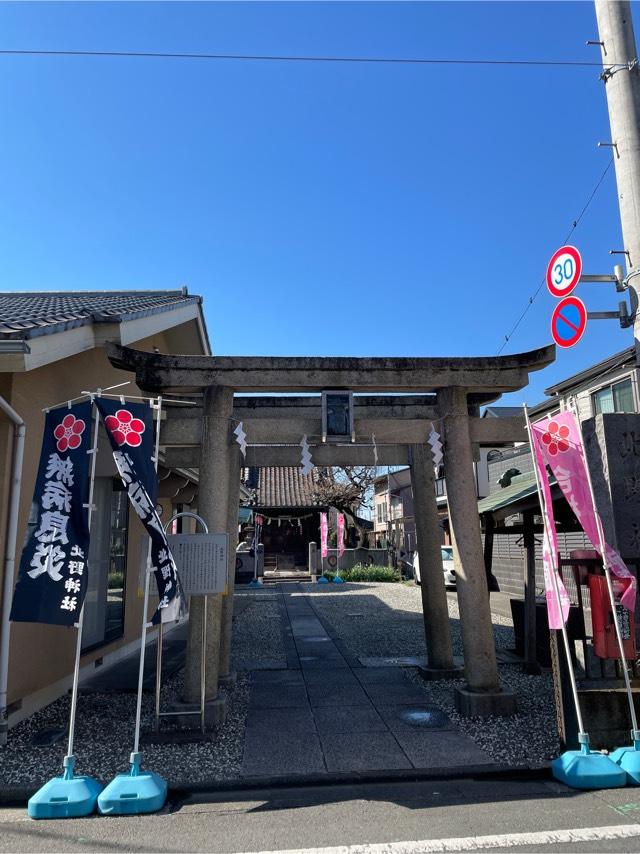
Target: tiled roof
[(27, 315), (283, 486)]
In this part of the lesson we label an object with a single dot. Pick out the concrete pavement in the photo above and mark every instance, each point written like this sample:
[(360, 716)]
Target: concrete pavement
[(328, 714), (405, 817)]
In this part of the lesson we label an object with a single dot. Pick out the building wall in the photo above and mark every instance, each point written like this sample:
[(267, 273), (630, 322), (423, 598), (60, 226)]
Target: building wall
[(42, 655), (401, 516), (508, 560), (582, 393)]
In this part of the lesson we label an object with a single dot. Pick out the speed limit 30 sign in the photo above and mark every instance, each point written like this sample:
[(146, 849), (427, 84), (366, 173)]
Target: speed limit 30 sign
[(564, 271)]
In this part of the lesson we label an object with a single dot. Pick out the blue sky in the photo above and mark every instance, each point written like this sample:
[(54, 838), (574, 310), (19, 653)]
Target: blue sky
[(322, 209)]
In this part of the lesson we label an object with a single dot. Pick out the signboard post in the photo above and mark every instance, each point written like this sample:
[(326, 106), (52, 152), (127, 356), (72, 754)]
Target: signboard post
[(202, 559)]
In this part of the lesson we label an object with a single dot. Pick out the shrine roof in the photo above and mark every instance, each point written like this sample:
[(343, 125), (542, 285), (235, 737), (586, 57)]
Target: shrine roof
[(284, 486)]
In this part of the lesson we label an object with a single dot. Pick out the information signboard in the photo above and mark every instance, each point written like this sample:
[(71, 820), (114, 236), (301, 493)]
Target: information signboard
[(202, 562)]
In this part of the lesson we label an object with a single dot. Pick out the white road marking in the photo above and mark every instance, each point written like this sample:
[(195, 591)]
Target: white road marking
[(480, 843)]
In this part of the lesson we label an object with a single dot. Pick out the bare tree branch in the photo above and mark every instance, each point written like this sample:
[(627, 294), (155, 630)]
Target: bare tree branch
[(347, 489)]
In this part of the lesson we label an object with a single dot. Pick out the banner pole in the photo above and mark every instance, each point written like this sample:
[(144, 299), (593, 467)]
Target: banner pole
[(69, 758), (635, 734), (255, 550), (583, 738), (145, 607)]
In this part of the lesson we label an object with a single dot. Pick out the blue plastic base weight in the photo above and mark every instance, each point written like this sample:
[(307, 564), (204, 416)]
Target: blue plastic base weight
[(134, 793), (338, 580), (255, 583), (628, 758), (323, 580), (582, 769), (66, 796)]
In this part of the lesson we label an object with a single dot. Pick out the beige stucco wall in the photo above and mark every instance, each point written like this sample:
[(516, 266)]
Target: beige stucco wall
[(41, 655)]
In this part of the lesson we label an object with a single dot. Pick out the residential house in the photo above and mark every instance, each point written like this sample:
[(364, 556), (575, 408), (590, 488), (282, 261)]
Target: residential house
[(393, 521), (51, 350)]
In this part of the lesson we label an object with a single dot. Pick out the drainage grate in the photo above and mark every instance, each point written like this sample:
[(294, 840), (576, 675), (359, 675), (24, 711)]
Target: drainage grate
[(425, 718)]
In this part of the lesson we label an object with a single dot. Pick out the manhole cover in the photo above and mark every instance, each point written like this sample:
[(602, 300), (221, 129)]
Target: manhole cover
[(425, 718), (47, 737)]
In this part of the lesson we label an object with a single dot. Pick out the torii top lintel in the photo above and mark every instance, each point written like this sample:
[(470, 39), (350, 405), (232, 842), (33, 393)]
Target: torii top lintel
[(158, 372)]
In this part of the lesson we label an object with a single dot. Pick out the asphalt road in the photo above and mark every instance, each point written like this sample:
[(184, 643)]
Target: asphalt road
[(376, 818)]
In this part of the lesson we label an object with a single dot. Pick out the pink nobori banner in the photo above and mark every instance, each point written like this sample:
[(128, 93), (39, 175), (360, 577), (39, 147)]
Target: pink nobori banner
[(324, 528), (560, 440), (340, 534), (557, 613)]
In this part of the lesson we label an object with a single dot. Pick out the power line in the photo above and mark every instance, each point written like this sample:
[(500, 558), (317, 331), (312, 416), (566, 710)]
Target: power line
[(274, 58), (575, 224)]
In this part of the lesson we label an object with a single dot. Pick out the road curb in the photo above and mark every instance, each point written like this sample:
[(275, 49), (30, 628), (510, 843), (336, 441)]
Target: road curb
[(17, 796)]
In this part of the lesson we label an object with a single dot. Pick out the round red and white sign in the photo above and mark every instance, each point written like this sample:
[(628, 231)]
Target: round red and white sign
[(564, 271), (568, 321)]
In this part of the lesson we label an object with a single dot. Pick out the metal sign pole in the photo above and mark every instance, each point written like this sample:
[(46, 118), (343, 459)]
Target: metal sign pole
[(145, 607), (69, 758)]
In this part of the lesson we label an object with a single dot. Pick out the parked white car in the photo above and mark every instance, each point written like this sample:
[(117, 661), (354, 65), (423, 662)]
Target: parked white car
[(446, 553)]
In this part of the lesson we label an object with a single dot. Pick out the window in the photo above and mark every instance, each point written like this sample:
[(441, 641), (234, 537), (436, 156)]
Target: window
[(105, 599), (617, 397), (382, 511)]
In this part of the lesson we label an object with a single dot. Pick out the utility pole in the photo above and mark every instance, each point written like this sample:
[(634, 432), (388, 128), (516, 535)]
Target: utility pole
[(621, 77)]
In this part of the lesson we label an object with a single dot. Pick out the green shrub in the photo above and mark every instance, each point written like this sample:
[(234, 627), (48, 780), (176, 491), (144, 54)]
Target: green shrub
[(359, 572), (116, 581)]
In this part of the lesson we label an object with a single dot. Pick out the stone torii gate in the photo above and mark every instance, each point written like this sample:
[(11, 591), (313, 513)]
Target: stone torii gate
[(418, 391)]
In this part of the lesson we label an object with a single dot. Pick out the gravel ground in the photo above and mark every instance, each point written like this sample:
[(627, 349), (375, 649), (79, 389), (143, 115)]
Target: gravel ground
[(385, 620), (257, 642), (257, 632), (377, 619), (101, 755)]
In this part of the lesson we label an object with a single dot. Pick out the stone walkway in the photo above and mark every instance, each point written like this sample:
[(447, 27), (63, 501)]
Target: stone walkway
[(328, 714)]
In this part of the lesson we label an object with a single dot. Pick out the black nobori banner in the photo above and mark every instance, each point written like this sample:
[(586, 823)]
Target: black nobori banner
[(130, 430), (52, 579)]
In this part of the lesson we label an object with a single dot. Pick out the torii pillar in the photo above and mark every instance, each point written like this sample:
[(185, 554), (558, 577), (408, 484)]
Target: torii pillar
[(233, 501), (483, 694), (432, 590), (213, 496)]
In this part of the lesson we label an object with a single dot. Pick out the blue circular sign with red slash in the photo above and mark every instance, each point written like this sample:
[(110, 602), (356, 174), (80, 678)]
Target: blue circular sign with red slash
[(564, 271), (568, 321)]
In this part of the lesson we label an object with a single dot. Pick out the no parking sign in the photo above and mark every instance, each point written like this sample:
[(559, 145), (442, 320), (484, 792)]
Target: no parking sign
[(568, 321)]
